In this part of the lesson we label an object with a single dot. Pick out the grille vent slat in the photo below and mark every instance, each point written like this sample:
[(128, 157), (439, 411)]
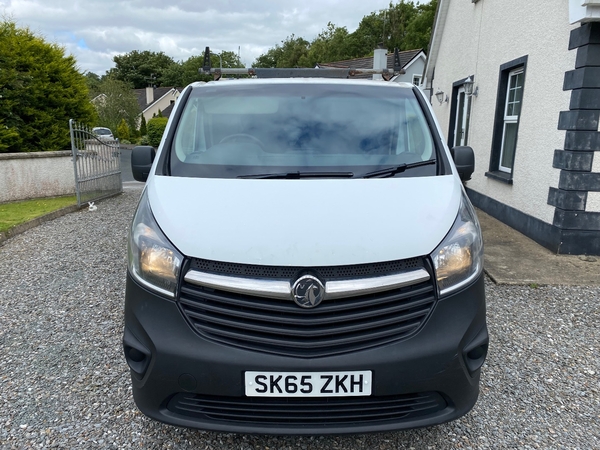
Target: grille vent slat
[(307, 411), (311, 320), (289, 341), (281, 327)]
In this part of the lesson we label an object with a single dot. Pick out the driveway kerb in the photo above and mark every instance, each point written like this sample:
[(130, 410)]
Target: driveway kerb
[(21, 228)]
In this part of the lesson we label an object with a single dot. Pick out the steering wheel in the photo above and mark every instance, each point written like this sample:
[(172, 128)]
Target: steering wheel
[(239, 137)]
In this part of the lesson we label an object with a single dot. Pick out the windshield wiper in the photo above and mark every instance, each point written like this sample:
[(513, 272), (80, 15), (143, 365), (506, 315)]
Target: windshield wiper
[(391, 171), (298, 175)]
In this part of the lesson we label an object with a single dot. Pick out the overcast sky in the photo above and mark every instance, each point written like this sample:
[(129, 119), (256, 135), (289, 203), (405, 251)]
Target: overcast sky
[(96, 30)]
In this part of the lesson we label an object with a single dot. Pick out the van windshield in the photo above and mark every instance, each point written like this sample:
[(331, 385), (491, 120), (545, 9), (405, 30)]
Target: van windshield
[(228, 131)]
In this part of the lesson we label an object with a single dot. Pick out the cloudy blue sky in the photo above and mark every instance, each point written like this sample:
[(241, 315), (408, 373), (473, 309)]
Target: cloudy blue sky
[(96, 30)]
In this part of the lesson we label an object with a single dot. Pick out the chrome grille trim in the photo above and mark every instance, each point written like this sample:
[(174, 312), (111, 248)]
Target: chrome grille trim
[(248, 286), (365, 286), (282, 289)]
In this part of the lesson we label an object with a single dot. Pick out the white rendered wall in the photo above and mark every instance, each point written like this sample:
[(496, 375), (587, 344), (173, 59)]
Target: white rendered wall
[(416, 68), (478, 38), (34, 175), (593, 198), (162, 104)]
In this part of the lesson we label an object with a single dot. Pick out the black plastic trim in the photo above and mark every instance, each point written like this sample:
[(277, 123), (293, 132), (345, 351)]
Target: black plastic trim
[(443, 164), (428, 362)]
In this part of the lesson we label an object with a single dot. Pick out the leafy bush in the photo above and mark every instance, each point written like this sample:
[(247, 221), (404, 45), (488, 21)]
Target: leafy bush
[(156, 128), (144, 140)]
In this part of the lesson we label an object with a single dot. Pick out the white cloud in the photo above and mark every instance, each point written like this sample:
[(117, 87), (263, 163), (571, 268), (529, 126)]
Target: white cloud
[(96, 30)]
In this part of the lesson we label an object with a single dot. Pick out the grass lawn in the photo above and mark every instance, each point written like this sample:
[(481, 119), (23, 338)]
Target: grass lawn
[(16, 213)]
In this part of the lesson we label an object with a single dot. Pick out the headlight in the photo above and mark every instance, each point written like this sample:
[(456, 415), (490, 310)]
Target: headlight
[(153, 260), (459, 258)]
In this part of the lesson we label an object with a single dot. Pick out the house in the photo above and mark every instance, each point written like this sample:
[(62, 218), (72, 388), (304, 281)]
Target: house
[(411, 61), (519, 82), (152, 99), (99, 99)]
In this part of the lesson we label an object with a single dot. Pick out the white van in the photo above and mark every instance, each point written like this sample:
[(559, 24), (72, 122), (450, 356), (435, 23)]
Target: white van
[(304, 260)]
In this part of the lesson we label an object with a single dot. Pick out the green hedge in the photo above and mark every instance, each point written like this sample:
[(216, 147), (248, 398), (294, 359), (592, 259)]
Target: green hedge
[(156, 127)]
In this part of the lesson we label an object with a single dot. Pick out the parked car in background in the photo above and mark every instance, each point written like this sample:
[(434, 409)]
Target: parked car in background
[(103, 133)]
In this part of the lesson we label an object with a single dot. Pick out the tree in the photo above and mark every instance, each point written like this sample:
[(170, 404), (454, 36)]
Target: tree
[(405, 25), (93, 83), (330, 45), (418, 31), (288, 54), (40, 90), (182, 74), (143, 128), (117, 102), (142, 68)]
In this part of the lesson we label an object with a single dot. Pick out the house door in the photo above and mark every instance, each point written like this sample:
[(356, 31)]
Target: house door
[(462, 119)]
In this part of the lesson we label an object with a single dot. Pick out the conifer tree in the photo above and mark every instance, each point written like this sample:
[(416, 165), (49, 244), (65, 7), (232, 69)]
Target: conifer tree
[(40, 90)]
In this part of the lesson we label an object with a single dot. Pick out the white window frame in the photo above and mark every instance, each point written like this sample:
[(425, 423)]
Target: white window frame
[(512, 119), (462, 123), (418, 78)]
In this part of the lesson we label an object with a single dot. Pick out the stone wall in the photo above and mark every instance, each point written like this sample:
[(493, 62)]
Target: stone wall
[(34, 175)]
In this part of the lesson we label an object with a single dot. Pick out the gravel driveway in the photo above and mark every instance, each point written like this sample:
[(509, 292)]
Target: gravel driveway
[(64, 382)]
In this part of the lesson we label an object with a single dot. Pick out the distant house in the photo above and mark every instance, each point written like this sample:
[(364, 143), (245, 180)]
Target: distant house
[(99, 99), (520, 83), (153, 99), (412, 61)]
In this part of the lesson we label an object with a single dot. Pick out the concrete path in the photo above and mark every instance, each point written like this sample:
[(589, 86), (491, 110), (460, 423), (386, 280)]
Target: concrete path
[(512, 258)]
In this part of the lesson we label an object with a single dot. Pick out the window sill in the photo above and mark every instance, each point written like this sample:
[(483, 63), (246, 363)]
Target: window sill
[(503, 177)]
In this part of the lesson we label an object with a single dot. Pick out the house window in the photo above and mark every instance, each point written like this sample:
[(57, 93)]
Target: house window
[(511, 83), (514, 98), (416, 80)]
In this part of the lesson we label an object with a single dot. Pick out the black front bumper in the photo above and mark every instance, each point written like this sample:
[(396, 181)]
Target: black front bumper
[(183, 379)]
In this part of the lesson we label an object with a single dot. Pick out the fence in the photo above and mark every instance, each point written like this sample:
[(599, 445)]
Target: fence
[(97, 164)]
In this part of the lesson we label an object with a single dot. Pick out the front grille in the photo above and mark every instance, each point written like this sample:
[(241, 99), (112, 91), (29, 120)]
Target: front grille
[(307, 411), (289, 272), (282, 327)]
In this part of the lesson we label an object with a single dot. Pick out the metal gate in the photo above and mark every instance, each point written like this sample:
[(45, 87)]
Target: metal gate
[(97, 163)]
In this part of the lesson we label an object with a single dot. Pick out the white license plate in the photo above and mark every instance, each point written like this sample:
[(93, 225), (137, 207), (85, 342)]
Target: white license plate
[(308, 384)]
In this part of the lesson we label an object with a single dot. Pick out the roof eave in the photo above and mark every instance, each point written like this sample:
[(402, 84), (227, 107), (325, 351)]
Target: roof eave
[(419, 55), (159, 99)]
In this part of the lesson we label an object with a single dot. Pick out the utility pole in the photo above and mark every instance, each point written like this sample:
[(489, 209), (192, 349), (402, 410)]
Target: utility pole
[(383, 32)]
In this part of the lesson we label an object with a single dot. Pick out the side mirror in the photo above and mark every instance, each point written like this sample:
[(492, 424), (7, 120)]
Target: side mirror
[(141, 162), (464, 159)]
